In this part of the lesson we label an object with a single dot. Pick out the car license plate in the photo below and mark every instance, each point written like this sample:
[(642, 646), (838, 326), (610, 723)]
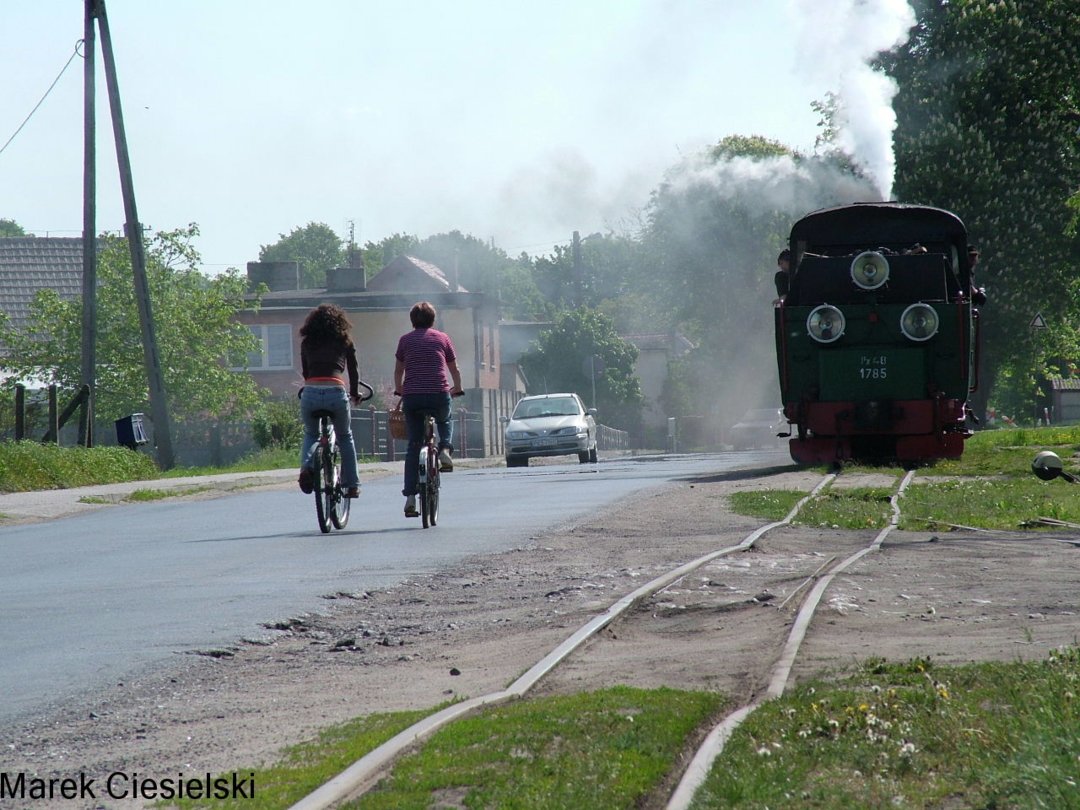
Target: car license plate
[(546, 442)]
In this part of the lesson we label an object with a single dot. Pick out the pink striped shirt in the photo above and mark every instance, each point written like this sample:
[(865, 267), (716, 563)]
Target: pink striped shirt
[(425, 353)]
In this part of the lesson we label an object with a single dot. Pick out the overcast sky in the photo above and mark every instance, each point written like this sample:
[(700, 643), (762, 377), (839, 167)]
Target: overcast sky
[(512, 121)]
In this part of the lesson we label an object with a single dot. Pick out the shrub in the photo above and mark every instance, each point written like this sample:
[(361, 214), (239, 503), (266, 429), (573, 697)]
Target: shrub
[(277, 424)]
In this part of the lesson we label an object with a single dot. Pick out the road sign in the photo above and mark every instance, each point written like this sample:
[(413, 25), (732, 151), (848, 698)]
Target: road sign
[(1038, 322)]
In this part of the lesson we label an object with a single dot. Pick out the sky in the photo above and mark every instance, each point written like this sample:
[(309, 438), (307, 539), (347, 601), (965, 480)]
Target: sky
[(515, 122)]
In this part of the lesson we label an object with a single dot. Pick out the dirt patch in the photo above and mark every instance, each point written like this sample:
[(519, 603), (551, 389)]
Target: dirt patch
[(470, 631)]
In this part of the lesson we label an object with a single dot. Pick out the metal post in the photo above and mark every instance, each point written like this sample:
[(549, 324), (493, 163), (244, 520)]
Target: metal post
[(20, 412), (463, 432), (592, 376), (54, 416), (374, 432)]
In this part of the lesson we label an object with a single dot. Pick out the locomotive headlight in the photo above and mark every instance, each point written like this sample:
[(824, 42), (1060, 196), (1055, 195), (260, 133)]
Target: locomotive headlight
[(870, 270), (919, 322), (825, 323)]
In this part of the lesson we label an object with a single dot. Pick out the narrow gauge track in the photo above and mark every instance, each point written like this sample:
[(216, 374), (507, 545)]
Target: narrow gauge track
[(813, 582)]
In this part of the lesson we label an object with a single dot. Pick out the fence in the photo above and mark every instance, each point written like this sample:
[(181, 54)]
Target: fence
[(478, 432), (609, 438)]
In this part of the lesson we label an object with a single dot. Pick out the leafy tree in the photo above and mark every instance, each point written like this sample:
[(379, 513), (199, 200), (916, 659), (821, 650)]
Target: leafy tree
[(379, 254), (194, 326), (599, 269), (987, 126), (9, 227), (560, 362), (315, 246)]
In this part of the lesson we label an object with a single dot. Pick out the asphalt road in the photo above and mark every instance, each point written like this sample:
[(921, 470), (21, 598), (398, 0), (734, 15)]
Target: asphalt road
[(92, 599)]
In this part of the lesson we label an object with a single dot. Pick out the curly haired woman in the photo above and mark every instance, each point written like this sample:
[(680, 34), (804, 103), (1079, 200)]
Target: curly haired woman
[(326, 354)]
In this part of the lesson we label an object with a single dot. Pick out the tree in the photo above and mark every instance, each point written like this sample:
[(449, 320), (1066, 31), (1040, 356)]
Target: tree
[(987, 126), (561, 362), (9, 227), (194, 325), (379, 254), (315, 247)]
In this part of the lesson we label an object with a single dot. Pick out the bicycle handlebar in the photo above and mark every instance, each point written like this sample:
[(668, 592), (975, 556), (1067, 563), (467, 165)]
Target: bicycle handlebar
[(370, 393)]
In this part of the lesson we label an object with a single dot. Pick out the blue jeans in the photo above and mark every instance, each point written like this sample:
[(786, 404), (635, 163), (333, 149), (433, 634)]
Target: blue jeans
[(416, 407), (335, 399)]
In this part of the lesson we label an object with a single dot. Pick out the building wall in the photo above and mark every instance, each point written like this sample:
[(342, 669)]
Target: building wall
[(376, 336), (652, 371)]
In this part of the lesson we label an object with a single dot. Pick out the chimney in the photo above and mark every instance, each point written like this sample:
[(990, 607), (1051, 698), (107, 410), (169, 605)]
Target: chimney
[(346, 279), (277, 276)]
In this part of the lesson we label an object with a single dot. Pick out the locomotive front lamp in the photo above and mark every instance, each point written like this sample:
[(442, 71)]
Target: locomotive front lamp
[(825, 323), (870, 270), (919, 322)]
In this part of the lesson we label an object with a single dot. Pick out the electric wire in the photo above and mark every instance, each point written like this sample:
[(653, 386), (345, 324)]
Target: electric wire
[(63, 70)]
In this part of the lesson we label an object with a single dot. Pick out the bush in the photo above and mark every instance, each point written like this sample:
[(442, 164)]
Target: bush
[(277, 424)]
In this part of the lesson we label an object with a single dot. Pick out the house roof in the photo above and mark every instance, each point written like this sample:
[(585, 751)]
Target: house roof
[(410, 274), (675, 343), (32, 263)]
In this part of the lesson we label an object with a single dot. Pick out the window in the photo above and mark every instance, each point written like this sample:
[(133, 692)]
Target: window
[(275, 342)]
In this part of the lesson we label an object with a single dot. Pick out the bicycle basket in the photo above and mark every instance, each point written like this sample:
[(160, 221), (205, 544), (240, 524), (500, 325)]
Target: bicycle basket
[(396, 423)]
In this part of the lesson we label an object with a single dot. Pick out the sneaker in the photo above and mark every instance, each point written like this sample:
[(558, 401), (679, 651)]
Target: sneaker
[(446, 464), (352, 492), (306, 481), (410, 507)]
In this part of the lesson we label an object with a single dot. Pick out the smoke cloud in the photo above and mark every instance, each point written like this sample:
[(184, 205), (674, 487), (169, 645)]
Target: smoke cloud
[(836, 43)]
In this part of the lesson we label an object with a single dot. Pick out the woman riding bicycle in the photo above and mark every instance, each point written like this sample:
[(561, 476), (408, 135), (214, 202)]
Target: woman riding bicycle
[(326, 353), (423, 358)]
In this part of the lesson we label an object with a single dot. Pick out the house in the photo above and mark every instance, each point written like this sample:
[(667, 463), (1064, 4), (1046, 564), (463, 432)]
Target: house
[(1065, 400), (29, 264), (655, 353), (379, 311)]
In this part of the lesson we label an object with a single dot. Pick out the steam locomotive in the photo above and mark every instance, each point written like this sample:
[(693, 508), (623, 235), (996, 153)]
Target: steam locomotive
[(876, 339)]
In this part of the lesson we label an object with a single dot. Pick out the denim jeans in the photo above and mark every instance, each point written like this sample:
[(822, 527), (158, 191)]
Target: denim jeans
[(416, 407), (335, 399)]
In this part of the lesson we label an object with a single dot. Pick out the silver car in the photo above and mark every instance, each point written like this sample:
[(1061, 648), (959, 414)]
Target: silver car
[(757, 428), (550, 425)]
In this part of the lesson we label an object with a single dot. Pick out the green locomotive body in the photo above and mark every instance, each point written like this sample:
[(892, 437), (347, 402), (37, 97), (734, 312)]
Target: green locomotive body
[(876, 337)]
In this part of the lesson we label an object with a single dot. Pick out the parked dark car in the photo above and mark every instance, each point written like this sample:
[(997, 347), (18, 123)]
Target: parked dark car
[(757, 428)]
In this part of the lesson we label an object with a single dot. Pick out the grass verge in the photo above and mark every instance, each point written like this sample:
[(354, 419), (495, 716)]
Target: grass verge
[(304, 767), (908, 735), (27, 466), (911, 735)]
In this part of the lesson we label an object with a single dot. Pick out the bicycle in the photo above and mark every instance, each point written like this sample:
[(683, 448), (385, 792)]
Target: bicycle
[(429, 474), (331, 501)]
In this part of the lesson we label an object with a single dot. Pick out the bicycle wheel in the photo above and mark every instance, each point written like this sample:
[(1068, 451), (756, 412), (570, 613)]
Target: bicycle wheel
[(429, 494), (339, 515), (324, 503)]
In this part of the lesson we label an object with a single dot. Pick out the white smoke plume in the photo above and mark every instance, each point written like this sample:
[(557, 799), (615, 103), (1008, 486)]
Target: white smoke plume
[(837, 41)]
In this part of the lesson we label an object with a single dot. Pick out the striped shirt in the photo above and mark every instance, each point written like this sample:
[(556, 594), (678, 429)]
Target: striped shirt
[(425, 353)]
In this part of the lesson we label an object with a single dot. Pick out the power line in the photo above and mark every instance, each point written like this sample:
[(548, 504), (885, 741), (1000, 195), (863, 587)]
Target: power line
[(51, 86)]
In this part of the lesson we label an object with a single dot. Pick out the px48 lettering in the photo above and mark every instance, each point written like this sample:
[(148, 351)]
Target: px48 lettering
[(873, 367)]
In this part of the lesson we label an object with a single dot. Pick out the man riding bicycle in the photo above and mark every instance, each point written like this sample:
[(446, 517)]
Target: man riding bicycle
[(424, 357)]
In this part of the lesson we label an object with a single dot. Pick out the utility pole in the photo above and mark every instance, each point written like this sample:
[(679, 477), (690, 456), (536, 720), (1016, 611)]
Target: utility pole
[(578, 270), (89, 233), (133, 230)]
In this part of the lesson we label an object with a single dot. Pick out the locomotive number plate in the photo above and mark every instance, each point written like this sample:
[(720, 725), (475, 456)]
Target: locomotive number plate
[(861, 373)]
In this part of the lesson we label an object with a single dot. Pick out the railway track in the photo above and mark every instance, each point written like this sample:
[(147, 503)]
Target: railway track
[(802, 574)]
